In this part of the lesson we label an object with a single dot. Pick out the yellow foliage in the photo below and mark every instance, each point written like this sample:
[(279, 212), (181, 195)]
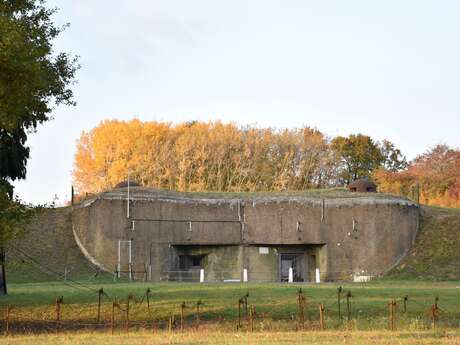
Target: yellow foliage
[(202, 156), (435, 174)]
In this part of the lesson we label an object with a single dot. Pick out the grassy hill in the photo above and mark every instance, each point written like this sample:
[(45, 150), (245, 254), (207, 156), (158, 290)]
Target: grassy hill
[(436, 252), (47, 251)]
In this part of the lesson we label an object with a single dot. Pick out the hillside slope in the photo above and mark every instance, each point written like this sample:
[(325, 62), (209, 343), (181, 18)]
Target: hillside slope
[(47, 250), (436, 252)]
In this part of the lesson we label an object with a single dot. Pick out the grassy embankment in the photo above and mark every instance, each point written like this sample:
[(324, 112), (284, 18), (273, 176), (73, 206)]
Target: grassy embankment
[(436, 252)]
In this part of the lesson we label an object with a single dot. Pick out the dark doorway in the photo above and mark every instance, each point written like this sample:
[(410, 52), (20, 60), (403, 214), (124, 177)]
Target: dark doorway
[(291, 260), (188, 262)]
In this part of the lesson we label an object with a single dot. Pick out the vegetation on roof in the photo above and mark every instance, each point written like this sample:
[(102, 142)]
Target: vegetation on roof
[(327, 193)]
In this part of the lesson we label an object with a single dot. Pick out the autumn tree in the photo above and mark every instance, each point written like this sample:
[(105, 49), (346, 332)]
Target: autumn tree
[(202, 156), (435, 174)]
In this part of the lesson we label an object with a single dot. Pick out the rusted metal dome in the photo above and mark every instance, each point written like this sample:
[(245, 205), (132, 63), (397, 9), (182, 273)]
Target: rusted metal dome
[(362, 186), (124, 184)]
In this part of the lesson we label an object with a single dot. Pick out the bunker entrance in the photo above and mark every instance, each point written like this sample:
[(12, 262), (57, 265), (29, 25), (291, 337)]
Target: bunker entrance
[(186, 263), (300, 261), (219, 263), (294, 261), (191, 262)]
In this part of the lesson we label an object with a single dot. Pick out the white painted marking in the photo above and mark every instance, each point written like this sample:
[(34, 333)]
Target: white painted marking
[(318, 279), (245, 275), (291, 275)]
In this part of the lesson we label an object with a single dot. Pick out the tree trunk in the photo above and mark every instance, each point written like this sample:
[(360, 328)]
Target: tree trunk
[(3, 290)]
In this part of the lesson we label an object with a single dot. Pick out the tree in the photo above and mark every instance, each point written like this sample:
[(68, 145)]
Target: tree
[(435, 174), (33, 79), (359, 154), (393, 159), (202, 156)]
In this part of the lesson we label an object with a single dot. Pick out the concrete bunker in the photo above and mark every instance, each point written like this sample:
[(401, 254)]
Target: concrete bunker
[(171, 236)]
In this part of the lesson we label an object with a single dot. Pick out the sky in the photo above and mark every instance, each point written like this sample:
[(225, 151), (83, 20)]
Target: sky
[(388, 69)]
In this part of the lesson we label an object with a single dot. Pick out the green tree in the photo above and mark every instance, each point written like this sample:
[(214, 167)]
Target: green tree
[(33, 79), (359, 154), (393, 159)]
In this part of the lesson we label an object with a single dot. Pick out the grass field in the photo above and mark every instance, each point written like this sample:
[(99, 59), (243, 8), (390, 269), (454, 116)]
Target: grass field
[(204, 337), (276, 305)]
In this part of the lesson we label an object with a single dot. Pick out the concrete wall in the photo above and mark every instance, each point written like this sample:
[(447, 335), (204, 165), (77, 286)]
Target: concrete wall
[(344, 236)]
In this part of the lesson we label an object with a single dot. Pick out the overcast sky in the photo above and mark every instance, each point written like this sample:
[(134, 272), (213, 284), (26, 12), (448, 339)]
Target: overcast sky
[(389, 69)]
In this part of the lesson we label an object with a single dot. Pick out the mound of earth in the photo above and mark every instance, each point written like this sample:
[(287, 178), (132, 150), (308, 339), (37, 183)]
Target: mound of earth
[(48, 251), (436, 252)]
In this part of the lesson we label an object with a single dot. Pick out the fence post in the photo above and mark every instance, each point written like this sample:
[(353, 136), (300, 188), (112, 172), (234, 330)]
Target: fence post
[(147, 296), (394, 313), (339, 295), (392, 310), (100, 292), (198, 304), (238, 326), (291, 275), (301, 302), (348, 296), (405, 299), (245, 275), (390, 316), (127, 312), (245, 304), (201, 275), (58, 302), (252, 312), (182, 307), (434, 312), (318, 277), (112, 319), (7, 319), (321, 316)]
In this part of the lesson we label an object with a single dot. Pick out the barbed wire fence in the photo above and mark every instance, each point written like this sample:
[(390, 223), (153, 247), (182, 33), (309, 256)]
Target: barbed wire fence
[(342, 310)]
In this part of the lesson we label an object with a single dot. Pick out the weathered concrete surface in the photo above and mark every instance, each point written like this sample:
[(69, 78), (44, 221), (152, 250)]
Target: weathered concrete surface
[(342, 236)]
